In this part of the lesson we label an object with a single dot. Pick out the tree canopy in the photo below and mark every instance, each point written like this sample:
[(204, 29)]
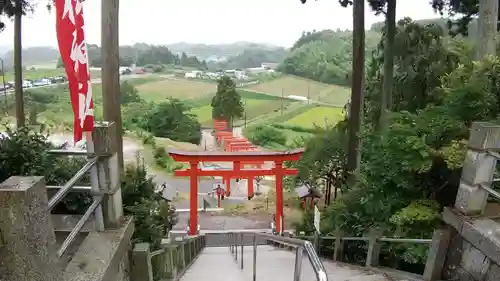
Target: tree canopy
[(407, 176), (226, 104), (171, 120)]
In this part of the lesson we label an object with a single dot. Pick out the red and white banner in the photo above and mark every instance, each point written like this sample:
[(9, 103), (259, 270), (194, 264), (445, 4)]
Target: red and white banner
[(73, 47)]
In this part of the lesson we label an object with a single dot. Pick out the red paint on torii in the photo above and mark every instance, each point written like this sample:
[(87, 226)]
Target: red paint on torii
[(194, 158)]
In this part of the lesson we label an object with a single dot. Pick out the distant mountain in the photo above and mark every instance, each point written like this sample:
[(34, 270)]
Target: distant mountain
[(204, 51), (33, 55)]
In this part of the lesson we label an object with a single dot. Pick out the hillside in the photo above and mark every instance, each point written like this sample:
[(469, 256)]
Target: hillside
[(252, 58), (204, 51), (326, 56), (33, 55)]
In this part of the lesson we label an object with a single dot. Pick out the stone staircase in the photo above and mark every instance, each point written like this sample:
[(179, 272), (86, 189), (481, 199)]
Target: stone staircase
[(273, 264)]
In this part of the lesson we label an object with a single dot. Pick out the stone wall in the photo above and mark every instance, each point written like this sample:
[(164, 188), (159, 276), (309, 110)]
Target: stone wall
[(474, 249)]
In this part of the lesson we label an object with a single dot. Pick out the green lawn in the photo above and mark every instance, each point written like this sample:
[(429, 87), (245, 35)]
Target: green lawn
[(317, 116)]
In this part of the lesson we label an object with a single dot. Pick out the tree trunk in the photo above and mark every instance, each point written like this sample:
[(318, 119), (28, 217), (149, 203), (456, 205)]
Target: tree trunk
[(110, 71), (386, 95), (18, 67), (487, 28), (356, 110)]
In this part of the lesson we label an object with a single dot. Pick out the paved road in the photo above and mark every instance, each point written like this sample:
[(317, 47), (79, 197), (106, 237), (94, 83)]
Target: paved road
[(93, 81), (212, 221)]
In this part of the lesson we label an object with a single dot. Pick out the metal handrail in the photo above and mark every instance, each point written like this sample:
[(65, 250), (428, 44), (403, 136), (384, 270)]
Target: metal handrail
[(69, 186), (299, 245)]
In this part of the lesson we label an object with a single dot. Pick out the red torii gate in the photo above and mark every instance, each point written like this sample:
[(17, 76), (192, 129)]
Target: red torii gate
[(194, 158)]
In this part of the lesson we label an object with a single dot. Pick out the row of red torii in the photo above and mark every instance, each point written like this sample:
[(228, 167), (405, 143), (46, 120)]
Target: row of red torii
[(247, 162)]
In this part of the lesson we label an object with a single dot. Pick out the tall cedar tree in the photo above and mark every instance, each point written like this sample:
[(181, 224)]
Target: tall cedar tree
[(226, 104)]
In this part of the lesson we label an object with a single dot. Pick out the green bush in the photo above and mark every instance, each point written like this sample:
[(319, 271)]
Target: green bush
[(265, 135), (298, 129), (153, 215), (26, 153)]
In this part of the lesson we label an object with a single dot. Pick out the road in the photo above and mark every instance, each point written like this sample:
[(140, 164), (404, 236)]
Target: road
[(93, 81)]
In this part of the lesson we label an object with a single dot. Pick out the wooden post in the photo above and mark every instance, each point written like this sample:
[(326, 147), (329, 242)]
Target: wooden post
[(110, 71)]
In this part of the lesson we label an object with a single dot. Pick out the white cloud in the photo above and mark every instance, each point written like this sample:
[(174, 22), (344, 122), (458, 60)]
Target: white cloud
[(216, 21)]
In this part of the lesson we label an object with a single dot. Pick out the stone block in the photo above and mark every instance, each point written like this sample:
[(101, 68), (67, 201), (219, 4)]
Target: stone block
[(493, 273), (474, 261), (484, 135), (478, 168), (108, 173), (452, 218), (437, 254), (29, 250), (471, 200), (102, 255), (483, 235)]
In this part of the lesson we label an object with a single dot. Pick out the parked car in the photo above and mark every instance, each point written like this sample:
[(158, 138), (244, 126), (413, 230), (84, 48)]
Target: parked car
[(27, 84)]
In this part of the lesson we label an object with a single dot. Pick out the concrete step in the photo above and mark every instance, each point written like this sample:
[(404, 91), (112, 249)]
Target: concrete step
[(214, 263), (275, 264)]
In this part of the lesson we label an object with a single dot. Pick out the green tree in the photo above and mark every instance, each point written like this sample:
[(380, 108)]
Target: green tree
[(129, 93), (172, 120), (226, 104), (60, 63)]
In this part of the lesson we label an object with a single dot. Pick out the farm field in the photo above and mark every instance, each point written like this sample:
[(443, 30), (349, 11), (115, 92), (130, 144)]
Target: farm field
[(255, 104), (180, 89), (291, 85), (317, 116)]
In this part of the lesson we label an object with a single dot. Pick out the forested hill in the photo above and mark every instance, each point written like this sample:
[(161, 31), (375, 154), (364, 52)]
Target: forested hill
[(326, 55)]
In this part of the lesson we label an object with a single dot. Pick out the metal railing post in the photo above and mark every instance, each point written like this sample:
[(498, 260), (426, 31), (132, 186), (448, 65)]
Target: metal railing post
[(235, 247), (242, 250), (298, 263), (254, 257)]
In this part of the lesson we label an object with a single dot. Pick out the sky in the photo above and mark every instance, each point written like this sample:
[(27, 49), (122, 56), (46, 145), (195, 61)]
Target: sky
[(277, 22)]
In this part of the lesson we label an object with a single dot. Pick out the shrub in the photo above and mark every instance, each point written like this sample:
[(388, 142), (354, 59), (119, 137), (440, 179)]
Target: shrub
[(265, 135), (153, 215)]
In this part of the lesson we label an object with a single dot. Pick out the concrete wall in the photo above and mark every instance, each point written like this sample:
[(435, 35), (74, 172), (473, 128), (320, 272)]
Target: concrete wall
[(474, 250)]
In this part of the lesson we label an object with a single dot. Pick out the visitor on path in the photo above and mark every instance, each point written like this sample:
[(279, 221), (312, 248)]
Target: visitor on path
[(273, 225)]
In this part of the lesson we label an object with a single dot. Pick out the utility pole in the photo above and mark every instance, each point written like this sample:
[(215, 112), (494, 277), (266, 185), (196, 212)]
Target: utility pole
[(356, 108), (18, 66), (4, 84), (110, 71), (308, 92), (487, 27), (282, 96), (245, 113)]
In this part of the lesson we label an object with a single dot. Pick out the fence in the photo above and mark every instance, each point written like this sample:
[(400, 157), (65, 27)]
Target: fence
[(435, 259), (168, 263)]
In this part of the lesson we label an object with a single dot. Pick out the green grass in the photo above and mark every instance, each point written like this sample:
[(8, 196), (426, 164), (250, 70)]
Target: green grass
[(316, 117), (297, 86), (159, 91)]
